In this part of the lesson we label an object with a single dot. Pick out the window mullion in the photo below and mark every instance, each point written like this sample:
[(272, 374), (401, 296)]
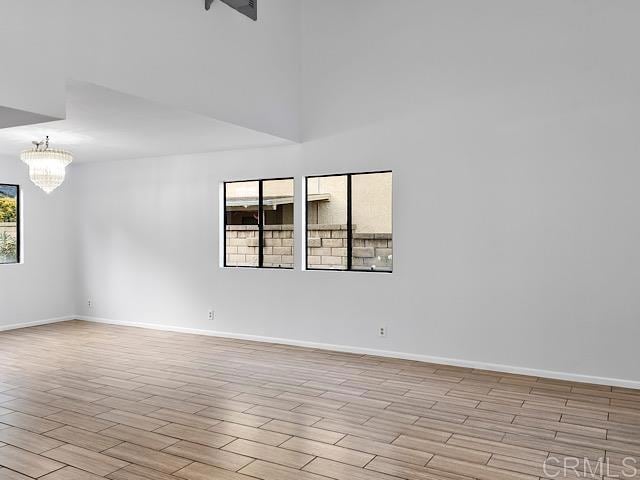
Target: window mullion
[(349, 224), (224, 214), (260, 225), (18, 225)]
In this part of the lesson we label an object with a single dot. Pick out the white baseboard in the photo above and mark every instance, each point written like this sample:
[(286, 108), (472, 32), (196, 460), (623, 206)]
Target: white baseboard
[(16, 326), (572, 377)]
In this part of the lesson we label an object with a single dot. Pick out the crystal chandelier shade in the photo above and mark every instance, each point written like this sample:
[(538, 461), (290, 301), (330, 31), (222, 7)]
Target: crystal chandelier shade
[(46, 165)]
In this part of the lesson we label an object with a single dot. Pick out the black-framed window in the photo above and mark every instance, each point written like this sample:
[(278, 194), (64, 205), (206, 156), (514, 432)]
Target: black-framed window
[(259, 223), (9, 224), (349, 222)]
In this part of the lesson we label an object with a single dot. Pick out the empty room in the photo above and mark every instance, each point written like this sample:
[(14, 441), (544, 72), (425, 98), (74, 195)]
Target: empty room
[(319, 239)]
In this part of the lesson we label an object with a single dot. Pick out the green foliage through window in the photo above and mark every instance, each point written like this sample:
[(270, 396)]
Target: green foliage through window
[(8, 210)]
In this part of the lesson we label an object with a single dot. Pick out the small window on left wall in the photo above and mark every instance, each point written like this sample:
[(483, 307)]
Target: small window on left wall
[(258, 223), (9, 224)]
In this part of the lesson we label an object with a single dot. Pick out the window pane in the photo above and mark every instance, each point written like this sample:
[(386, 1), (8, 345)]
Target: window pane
[(241, 220), (371, 197), (8, 224), (277, 201), (327, 222)]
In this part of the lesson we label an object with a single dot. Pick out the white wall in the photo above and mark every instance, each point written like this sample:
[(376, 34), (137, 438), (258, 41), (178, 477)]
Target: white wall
[(512, 131), (524, 262), (42, 287), (511, 128)]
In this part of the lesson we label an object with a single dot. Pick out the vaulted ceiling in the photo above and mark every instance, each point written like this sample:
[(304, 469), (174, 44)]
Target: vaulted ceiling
[(215, 64)]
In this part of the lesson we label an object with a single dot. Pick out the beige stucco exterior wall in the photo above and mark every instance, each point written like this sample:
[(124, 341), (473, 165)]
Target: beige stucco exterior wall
[(272, 188), (242, 190), (372, 203), (371, 196), (333, 211)]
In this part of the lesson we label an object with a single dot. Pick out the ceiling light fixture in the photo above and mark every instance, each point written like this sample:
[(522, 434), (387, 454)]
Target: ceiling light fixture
[(46, 165)]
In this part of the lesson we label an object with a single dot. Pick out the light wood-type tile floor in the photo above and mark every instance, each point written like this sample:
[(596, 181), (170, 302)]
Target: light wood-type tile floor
[(82, 401)]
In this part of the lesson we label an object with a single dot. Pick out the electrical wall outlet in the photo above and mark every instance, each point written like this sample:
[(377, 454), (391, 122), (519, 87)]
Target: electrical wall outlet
[(211, 314), (90, 303), (382, 331)]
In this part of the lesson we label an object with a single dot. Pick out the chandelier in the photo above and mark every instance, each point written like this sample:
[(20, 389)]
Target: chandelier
[(46, 165)]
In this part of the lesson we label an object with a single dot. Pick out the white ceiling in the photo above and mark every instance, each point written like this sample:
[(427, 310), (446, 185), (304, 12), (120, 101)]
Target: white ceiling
[(103, 124)]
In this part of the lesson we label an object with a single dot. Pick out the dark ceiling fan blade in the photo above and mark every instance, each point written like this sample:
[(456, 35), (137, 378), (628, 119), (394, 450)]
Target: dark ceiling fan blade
[(246, 7)]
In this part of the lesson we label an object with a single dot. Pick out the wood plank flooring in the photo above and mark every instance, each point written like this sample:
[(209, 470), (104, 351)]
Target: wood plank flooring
[(82, 401)]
